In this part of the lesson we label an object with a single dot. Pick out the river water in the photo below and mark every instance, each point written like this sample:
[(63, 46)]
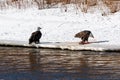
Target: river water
[(48, 64)]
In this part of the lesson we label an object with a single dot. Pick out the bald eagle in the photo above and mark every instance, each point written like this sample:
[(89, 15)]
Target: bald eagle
[(84, 35), (35, 36)]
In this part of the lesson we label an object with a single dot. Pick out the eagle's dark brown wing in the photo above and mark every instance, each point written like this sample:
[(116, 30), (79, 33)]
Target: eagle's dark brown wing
[(81, 34), (85, 33)]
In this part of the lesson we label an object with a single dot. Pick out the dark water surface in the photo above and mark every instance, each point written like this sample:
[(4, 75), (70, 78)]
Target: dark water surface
[(48, 64)]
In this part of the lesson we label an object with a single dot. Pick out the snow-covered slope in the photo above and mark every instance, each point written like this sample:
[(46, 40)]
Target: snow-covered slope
[(58, 26)]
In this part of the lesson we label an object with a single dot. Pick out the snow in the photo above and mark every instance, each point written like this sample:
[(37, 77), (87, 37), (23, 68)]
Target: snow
[(59, 26), (62, 45)]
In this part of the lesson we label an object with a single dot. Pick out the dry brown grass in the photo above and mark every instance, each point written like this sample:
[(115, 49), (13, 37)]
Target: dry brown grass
[(91, 2), (114, 5), (84, 5)]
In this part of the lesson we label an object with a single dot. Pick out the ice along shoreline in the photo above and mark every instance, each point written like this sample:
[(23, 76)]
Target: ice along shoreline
[(74, 46)]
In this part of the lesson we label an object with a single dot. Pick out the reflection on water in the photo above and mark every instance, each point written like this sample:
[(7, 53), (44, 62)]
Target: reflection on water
[(47, 64)]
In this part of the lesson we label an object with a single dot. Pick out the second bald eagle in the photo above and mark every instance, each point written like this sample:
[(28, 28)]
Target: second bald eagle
[(84, 35)]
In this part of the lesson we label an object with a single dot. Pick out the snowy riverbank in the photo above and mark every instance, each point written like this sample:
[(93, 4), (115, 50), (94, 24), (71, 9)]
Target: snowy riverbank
[(59, 26), (97, 46)]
